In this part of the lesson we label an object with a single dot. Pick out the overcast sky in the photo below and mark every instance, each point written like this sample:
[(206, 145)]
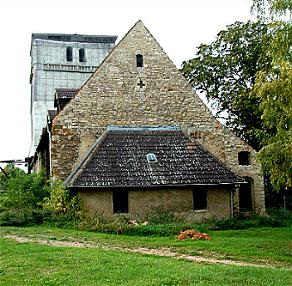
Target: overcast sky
[(178, 25)]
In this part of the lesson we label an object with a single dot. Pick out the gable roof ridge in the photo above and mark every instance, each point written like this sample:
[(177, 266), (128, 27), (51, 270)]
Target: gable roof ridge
[(116, 47), (113, 49), (82, 163), (102, 63), (163, 50)]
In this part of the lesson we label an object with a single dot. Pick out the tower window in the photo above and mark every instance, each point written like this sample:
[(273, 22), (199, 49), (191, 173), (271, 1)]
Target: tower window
[(139, 60), (244, 158), (200, 199), (69, 54), (82, 55)]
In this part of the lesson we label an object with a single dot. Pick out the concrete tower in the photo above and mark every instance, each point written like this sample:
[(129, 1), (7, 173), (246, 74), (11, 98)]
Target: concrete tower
[(61, 61)]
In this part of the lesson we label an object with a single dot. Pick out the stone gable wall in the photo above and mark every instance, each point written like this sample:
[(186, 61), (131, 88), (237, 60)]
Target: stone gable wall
[(112, 96)]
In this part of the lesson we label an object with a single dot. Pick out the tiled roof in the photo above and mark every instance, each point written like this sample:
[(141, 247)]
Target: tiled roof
[(63, 96), (66, 92), (119, 159)]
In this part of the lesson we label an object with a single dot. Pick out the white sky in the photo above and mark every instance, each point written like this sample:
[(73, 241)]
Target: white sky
[(178, 25)]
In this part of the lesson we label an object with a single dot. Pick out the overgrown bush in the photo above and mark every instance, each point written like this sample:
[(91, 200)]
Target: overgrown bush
[(273, 218), (21, 190), (161, 216), (21, 217), (118, 224), (62, 206), (61, 201), (21, 197), (28, 199)]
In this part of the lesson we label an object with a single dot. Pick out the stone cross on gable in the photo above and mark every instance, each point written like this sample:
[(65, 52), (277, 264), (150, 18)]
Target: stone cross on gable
[(141, 84)]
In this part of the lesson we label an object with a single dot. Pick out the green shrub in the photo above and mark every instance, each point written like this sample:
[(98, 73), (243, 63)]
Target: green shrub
[(28, 199), (281, 214), (21, 197), (60, 200), (118, 224), (21, 190), (274, 218), (21, 217), (64, 209), (161, 216)]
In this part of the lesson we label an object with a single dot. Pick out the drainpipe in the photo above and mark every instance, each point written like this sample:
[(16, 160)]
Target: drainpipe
[(231, 203), (50, 149)]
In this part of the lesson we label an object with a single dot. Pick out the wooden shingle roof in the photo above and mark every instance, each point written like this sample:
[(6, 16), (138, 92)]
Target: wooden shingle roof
[(119, 159)]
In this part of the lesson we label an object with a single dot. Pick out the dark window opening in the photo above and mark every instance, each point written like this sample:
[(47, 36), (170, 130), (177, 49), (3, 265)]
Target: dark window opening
[(200, 199), (69, 54), (120, 201), (245, 195), (81, 55), (139, 60), (244, 158)]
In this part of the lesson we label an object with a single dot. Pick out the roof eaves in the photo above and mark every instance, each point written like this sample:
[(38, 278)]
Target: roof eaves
[(157, 186), (143, 128)]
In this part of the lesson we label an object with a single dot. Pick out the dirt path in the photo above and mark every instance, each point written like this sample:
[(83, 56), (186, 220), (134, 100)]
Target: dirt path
[(165, 252)]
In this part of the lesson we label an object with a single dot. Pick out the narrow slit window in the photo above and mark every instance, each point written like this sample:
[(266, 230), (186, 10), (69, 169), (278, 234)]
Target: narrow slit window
[(69, 54), (139, 60), (151, 158), (82, 55)]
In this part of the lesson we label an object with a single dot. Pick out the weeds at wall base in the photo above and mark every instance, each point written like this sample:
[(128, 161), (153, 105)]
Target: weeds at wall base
[(121, 224)]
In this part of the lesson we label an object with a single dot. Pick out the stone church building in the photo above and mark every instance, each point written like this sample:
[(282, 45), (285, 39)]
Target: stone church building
[(136, 137)]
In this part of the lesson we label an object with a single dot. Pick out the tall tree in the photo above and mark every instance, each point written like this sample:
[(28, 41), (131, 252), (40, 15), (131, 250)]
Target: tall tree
[(226, 71), (247, 71), (273, 87)]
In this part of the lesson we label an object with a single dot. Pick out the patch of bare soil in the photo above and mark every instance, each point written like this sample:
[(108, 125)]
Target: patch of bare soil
[(165, 252)]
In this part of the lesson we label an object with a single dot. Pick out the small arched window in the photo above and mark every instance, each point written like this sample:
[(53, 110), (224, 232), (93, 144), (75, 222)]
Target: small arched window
[(69, 54), (82, 55), (139, 60), (244, 158)]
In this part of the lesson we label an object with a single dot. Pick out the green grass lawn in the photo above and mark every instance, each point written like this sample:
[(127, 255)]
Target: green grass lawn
[(35, 264)]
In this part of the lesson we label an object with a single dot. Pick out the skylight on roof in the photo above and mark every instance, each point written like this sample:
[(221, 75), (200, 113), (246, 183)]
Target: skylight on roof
[(151, 158)]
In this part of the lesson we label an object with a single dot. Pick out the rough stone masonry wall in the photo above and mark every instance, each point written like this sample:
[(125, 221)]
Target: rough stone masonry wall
[(112, 96)]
